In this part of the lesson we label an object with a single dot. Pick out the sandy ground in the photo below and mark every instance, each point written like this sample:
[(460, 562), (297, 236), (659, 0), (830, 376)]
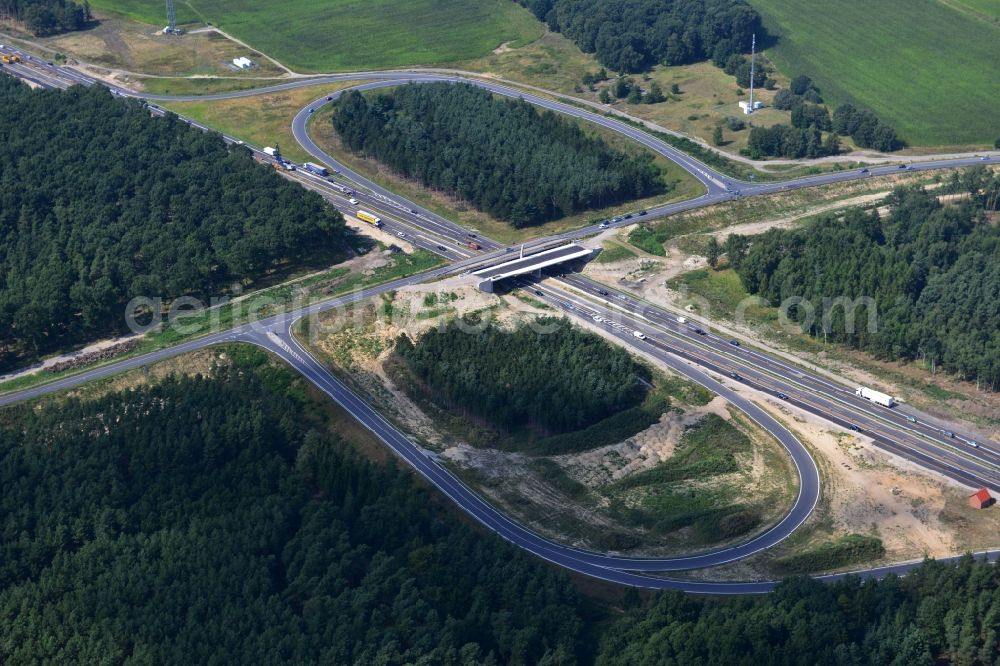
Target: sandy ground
[(752, 228), (642, 451)]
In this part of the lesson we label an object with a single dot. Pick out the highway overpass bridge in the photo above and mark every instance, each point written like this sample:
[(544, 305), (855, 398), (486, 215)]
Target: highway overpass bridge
[(533, 263)]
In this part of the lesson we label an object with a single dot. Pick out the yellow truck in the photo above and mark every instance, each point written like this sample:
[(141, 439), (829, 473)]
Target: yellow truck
[(373, 220), (11, 58)]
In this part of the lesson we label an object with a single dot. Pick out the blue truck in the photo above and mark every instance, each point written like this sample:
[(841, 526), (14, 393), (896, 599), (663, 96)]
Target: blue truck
[(316, 169)]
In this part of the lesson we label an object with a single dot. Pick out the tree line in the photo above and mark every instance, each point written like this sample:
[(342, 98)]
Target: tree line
[(633, 35), (217, 519), (809, 118), (937, 614), (47, 17), (932, 270), (554, 382), (100, 203), (502, 156)]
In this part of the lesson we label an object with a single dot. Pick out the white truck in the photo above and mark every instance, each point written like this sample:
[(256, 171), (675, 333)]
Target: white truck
[(639, 335), (877, 397), (271, 151)]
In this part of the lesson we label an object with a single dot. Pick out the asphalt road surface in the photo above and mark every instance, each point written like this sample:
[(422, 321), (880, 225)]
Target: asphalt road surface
[(669, 346)]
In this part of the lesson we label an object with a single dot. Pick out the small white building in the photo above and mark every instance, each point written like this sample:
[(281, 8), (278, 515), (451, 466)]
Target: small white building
[(747, 108), (243, 62)]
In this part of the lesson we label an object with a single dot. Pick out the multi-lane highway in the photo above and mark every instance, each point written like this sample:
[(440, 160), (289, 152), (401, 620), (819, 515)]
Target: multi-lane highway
[(668, 341), (905, 433)]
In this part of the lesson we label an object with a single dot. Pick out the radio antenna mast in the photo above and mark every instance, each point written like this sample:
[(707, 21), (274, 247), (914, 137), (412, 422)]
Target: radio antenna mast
[(171, 19)]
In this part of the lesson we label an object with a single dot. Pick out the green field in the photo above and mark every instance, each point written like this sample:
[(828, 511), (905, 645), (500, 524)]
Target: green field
[(930, 70), (987, 8), (337, 35)]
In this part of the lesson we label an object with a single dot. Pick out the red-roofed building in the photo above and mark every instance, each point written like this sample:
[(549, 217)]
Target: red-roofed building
[(980, 499)]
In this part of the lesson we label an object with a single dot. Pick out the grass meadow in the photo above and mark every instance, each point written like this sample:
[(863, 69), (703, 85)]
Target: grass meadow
[(341, 35), (929, 69)]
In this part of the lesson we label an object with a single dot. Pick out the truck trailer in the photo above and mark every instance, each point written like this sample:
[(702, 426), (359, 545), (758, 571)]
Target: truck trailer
[(273, 152), (316, 169), (373, 220), (877, 397)]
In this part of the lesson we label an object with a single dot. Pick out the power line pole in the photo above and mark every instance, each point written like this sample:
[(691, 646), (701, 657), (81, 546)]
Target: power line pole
[(171, 19), (753, 55)]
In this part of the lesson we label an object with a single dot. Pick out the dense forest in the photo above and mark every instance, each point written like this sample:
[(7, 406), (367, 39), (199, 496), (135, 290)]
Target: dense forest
[(218, 520), (46, 17), (633, 35), (932, 268), (503, 156), (938, 614), (555, 379), (212, 520), (100, 203)]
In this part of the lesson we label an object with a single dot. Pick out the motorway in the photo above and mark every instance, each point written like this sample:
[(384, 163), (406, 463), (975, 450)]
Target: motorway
[(668, 342), (891, 429)]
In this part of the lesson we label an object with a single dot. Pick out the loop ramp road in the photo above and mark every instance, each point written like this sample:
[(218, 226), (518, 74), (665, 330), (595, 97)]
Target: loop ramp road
[(274, 333)]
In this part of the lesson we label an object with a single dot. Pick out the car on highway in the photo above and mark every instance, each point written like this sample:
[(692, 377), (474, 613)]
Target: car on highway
[(973, 443), (602, 292), (984, 158), (353, 201), (401, 234), (598, 318), (509, 249), (948, 433), (642, 212), (901, 166), (442, 248), (638, 335), (538, 293), (854, 427), (414, 211), (628, 216), (695, 329), (783, 396), (911, 419), (734, 375), (329, 98), (735, 343), (865, 171), (604, 225)]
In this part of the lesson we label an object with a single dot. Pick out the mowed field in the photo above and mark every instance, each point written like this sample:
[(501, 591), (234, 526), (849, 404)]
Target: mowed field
[(930, 70), (339, 35), (988, 8)]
